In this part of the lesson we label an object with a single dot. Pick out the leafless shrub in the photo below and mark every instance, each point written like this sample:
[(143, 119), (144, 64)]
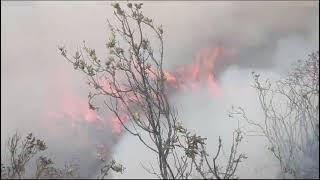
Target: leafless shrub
[(291, 118)]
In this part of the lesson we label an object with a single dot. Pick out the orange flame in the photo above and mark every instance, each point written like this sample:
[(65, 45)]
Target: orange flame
[(185, 78), (189, 77)]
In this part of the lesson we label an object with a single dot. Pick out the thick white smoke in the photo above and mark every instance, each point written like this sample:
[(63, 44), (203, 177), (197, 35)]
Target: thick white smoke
[(253, 29), (266, 36)]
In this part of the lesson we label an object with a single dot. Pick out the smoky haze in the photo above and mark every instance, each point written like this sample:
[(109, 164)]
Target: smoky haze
[(263, 36), (253, 29)]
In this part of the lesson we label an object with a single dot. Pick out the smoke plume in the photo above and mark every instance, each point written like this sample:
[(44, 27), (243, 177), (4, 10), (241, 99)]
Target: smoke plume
[(42, 94)]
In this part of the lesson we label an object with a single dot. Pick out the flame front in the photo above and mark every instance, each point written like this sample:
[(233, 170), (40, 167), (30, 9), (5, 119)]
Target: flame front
[(188, 77)]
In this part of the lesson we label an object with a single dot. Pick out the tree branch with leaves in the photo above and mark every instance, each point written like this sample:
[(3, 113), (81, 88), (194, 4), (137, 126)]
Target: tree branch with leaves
[(131, 83)]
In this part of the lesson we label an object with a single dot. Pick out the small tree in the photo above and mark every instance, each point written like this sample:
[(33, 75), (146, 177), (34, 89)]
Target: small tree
[(111, 166), (20, 154), (131, 83), (291, 118)]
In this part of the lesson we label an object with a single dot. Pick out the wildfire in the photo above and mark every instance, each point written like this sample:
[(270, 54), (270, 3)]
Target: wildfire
[(188, 77), (116, 124), (169, 77), (201, 70), (72, 106)]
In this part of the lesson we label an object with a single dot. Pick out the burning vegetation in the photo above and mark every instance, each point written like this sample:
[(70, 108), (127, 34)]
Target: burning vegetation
[(130, 92)]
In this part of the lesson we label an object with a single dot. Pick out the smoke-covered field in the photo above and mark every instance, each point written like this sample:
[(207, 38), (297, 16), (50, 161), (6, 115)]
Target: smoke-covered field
[(210, 50)]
